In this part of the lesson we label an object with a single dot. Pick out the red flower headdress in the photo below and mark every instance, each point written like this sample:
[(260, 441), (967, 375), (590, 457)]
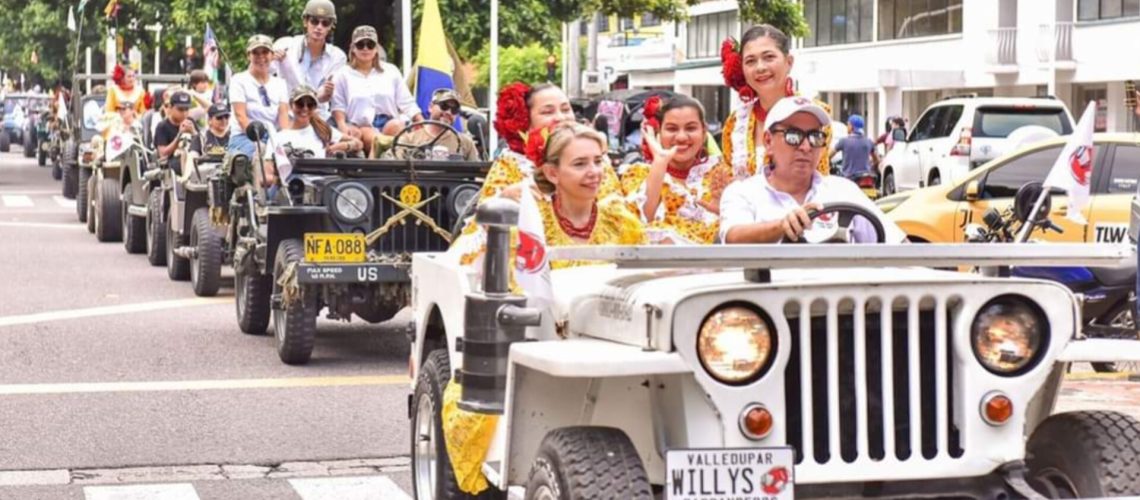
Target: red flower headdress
[(650, 112), (535, 148), (118, 75), (732, 68), (512, 117)]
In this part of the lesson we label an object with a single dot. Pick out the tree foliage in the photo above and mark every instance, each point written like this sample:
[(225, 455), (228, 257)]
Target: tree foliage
[(787, 15), (525, 64)]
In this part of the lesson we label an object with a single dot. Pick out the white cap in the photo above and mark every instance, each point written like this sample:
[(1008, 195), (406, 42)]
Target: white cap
[(789, 106)]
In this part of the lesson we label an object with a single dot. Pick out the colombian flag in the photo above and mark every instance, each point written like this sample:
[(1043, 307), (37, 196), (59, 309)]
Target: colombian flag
[(433, 63)]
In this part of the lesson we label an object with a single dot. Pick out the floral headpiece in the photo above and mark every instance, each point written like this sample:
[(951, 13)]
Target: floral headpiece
[(118, 75), (650, 111), (512, 117), (732, 67), (535, 148)]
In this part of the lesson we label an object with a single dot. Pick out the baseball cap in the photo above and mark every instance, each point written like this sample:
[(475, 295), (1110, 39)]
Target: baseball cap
[(302, 91), (856, 122), (789, 106), (180, 99), (443, 95), (258, 41), (218, 109), (365, 32)]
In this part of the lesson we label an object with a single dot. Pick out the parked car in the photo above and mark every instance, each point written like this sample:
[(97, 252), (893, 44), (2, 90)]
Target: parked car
[(937, 214), (956, 135)]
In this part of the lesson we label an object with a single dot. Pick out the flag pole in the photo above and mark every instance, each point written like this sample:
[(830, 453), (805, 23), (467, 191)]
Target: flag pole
[(493, 91), (406, 35), (78, 37), (1027, 226)]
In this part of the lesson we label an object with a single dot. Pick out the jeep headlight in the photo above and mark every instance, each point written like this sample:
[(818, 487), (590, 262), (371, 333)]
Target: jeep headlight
[(1007, 335), (351, 202), (735, 344)]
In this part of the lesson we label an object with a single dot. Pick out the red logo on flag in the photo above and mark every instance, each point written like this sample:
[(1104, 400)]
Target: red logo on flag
[(117, 142), (531, 254), (774, 481), (1080, 163)]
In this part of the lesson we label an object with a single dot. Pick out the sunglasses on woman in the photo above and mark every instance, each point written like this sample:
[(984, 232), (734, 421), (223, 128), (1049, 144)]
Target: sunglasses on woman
[(794, 137), (305, 103), (365, 45)]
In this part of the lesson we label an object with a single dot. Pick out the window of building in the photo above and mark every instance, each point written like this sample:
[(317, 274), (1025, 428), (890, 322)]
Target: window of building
[(834, 22), (916, 18), (648, 20), (625, 23), (717, 100), (705, 33), (1093, 10), (603, 24)]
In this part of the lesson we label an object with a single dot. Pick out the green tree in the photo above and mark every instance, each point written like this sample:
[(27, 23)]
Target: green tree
[(516, 64), (787, 15)]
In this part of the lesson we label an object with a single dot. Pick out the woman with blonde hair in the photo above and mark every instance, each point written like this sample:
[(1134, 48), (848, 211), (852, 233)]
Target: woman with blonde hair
[(370, 96)]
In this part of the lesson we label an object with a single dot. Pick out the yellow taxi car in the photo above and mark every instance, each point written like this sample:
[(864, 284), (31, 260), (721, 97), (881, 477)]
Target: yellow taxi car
[(938, 214)]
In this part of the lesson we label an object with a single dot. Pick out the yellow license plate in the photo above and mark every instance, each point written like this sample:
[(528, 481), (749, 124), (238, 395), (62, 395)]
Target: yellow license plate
[(334, 247)]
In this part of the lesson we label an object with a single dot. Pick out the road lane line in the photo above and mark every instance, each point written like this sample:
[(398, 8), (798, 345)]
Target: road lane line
[(27, 191), (44, 317), (17, 201), (348, 488), (201, 385), (63, 202), (43, 225), (182, 491)]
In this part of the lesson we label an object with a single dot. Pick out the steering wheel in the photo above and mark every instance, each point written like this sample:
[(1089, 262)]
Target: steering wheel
[(846, 212), (408, 150)]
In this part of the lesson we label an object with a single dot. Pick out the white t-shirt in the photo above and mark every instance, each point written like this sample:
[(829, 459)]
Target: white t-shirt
[(305, 138), (245, 89), (754, 200), (362, 97)]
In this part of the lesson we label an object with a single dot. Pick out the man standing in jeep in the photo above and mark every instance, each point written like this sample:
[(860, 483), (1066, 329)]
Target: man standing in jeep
[(309, 59), (177, 122)]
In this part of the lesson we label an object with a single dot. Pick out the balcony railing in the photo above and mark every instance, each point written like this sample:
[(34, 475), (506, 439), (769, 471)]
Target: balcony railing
[(1055, 37), (1002, 50)]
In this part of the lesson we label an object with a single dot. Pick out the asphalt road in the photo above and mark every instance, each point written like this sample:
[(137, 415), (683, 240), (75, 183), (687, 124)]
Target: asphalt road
[(106, 364), (117, 383)]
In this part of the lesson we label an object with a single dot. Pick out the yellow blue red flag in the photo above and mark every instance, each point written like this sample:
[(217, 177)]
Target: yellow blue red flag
[(434, 66)]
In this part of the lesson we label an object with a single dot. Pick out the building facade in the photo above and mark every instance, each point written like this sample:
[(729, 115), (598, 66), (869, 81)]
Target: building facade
[(895, 57)]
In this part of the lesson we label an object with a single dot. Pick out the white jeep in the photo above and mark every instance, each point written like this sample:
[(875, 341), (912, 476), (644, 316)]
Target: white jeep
[(765, 371)]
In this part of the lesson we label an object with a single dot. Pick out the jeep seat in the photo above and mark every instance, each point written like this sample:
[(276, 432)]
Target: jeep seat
[(1115, 276)]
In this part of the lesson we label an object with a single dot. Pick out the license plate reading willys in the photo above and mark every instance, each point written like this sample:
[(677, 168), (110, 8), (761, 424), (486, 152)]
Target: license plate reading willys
[(336, 248), (730, 474)]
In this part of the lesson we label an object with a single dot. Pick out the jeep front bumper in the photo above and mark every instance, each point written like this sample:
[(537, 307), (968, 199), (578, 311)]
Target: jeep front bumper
[(329, 274)]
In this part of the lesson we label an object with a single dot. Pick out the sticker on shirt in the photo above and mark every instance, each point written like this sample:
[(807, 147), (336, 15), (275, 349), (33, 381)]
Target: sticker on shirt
[(1111, 233), (824, 228)]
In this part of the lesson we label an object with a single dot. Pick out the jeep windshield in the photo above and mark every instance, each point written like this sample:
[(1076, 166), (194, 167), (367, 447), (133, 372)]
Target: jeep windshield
[(1000, 121)]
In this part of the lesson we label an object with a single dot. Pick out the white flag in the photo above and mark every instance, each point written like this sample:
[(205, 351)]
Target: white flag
[(1073, 169), (118, 144), (532, 267), (71, 18), (61, 107)]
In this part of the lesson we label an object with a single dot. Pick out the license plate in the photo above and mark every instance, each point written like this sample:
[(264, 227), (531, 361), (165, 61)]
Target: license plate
[(334, 247), (732, 473)]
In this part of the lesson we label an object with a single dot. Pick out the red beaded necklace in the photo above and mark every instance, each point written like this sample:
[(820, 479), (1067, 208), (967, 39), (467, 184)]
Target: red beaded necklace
[(677, 173), (568, 227)]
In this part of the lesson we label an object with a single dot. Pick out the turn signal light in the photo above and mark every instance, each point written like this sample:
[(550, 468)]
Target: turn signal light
[(756, 422), (996, 408)]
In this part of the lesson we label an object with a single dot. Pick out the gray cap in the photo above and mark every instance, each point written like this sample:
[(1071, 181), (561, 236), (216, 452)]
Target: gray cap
[(258, 41), (365, 32), (320, 8), (302, 91)]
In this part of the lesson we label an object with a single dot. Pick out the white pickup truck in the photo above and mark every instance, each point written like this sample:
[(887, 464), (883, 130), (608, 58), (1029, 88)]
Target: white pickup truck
[(765, 372)]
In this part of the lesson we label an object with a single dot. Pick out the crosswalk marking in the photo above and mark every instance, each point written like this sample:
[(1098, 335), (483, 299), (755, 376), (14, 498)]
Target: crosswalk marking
[(63, 202), (180, 491), (348, 488), (17, 201)]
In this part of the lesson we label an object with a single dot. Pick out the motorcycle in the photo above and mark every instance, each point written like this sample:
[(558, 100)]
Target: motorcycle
[(1107, 294)]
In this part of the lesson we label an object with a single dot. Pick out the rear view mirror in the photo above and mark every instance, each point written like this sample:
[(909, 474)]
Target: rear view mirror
[(972, 190)]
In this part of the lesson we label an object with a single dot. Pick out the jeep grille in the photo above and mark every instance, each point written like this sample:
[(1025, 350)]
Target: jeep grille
[(863, 385), (412, 235)]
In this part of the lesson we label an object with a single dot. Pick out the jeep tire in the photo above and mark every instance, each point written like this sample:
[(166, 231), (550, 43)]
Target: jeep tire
[(5, 141), (56, 172), (70, 181), (206, 265), (92, 198), (177, 268), (431, 465), (155, 229), (578, 463), (41, 157), (108, 209), (1085, 454), (30, 144), (83, 187), (294, 324), (251, 301), (134, 228)]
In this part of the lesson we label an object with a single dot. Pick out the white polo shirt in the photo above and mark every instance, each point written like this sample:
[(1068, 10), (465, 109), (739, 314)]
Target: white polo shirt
[(361, 97), (754, 200)]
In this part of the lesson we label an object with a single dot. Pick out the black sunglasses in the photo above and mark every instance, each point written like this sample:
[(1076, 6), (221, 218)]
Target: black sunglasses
[(365, 45), (305, 103), (449, 106), (794, 137), (325, 22), (221, 117)]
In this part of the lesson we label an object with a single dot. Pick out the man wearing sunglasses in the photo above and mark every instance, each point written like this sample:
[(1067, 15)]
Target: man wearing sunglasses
[(445, 108), (309, 59), (772, 205)]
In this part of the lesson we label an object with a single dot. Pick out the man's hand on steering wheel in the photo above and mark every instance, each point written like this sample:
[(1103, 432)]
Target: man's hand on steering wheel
[(846, 213), (401, 148), (798, 220)]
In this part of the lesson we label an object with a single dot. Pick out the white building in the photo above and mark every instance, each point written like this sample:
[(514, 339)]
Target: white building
[(888, 57)]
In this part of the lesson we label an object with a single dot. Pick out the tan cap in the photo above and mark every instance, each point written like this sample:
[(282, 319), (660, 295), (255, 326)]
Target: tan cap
[(320, 8), (443, 95), (258, 41), (302, 91), (365, 32)]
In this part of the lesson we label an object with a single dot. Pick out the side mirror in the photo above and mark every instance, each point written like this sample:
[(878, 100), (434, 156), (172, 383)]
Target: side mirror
[(256, 131), (975, 233), (972, 190)]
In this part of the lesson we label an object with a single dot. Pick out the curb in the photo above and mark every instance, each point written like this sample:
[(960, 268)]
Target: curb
[(1093, 376)]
